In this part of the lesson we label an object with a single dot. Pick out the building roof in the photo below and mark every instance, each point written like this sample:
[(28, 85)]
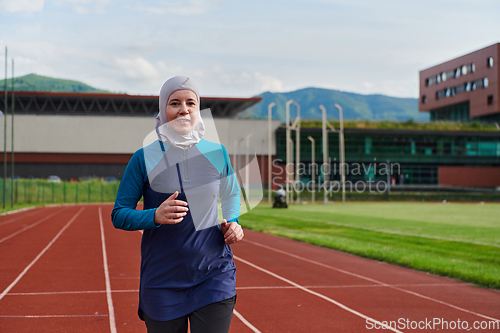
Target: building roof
[(64, 103)]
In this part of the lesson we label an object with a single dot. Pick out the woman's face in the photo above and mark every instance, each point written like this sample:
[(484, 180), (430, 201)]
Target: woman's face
[(183, 110)]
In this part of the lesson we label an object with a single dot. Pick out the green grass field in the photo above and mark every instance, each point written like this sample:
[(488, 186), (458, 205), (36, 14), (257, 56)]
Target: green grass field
[(461, 241)]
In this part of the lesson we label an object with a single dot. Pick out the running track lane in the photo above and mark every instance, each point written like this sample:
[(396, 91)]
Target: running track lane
[(283, 285), (60, 283), (377, 290)]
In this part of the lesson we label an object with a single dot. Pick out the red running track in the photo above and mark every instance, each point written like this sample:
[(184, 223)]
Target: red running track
[(66, 269)]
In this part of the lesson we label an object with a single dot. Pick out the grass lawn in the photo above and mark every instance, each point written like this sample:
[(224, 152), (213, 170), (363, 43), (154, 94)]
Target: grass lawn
[(461, 241)]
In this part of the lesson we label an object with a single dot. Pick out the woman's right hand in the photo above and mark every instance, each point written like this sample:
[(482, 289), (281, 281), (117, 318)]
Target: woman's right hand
[(171, 211)]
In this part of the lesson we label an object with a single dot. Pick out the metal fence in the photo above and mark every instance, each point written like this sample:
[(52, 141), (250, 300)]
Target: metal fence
[(37, 191)]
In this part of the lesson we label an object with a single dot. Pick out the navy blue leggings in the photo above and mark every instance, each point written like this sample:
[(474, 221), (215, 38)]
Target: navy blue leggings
[(212, 318)]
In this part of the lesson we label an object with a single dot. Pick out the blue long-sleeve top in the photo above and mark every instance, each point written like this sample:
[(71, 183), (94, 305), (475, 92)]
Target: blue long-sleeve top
[(187, 265)]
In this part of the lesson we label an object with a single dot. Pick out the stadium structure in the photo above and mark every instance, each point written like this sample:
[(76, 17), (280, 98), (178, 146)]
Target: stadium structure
[(76, 135), (94, 135)]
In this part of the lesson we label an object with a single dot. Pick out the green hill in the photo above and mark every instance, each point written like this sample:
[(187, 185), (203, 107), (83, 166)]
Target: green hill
[(355, 106), (34, 82)]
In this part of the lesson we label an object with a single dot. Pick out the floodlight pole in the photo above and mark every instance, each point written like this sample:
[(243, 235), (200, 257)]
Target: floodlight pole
[(342, 151), (313, 168), (326, 175), (288, 129), (289, 193), (12, 142), (5, 133), (247, 169), (269, 148), (296, 126)]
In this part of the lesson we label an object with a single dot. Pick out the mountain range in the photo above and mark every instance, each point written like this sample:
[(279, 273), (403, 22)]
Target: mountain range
[(355, 106), (34, 82)]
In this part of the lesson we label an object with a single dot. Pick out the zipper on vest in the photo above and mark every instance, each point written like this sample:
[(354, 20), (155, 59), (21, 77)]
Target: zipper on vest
[(184, 163), (179, 176)]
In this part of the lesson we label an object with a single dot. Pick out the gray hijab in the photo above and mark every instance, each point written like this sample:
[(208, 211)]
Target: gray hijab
[(164, 130)]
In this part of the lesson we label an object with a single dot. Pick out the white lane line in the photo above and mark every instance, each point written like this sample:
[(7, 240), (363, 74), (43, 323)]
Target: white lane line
[(51, 316), (250, 326), (71, 292), (340, 305), (237, 288), (19, 217), (29, 227), (372, 280), (348, 286), (111, 309), (125, 278), (39, 255)]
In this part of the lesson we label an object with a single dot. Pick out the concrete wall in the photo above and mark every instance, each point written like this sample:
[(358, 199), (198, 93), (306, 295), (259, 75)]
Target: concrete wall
[(76, 146), (117, 135)]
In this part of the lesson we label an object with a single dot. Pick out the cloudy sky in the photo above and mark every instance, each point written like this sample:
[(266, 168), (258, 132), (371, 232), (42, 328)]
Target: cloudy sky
[(239, 48)]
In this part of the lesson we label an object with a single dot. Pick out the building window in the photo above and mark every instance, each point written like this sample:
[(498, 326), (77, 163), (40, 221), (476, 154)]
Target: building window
[(453, 73), (447, 92), (490, 62), (490, 100), (485, 82), (474, 85), (424, 99), (467, 86)]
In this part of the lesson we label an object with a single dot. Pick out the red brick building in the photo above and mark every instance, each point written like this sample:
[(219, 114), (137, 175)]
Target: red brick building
[(463, 89)]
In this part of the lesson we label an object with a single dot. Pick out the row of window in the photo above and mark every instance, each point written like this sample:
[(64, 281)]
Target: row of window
[(456, 73), (466, 87), (402, 146)]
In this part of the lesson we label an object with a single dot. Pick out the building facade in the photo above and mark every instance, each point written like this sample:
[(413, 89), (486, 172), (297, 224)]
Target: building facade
[(416, 157), (463, 89)]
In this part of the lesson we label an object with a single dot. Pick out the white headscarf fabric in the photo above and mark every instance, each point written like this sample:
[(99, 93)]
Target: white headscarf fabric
[(164, 129)]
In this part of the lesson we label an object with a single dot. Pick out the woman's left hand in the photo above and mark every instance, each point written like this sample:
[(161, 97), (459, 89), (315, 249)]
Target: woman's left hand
[(232, 232)]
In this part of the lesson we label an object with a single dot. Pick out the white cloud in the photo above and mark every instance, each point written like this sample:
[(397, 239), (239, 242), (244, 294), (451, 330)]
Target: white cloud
[(81, 10), (219, 80), (267, 83), (87, 6), (29, 6), (395, 88), (137, 67), (181, 7)]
